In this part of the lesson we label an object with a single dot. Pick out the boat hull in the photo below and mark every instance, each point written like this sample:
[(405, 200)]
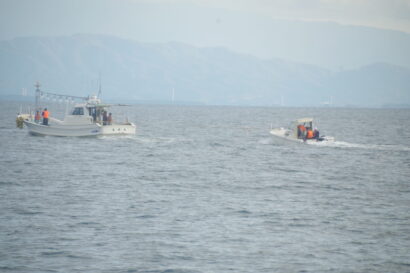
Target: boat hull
[(63, 130), (80, 130), (118, 129)]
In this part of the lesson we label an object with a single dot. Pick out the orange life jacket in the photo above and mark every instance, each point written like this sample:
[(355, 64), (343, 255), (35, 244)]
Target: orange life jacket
[(309, 134), (301, 128), (45, 114)]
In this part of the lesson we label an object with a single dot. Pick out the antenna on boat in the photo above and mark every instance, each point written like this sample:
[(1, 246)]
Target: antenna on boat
[(99, 87), (37, 97), (23, 94)]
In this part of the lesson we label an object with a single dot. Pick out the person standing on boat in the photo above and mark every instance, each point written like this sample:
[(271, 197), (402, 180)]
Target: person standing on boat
[(37, 117), (301, 131), (109, 119), (316, 134), (105, 118), (45, 115)]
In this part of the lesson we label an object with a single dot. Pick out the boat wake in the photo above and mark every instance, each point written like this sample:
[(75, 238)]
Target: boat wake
[(266, 141), (343, 144), (156, 140), (115, 137)]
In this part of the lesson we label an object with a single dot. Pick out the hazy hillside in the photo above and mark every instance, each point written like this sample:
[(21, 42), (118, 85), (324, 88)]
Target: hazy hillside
[(139, 71), (376, 84), (317, 42)]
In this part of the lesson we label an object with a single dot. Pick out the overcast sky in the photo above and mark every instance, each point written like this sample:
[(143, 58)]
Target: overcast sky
[(391, 14), (48, 17)]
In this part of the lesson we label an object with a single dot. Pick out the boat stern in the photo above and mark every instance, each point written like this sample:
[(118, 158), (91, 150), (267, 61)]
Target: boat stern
[(118, 129)]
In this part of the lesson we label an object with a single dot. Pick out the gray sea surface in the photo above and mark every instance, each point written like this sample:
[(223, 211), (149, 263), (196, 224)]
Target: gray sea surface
[(208, 189)]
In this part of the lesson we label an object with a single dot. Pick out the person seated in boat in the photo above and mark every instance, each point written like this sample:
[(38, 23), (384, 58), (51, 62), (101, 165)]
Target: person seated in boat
[(109, 119), (45, 115), (309, 134), (301, 131), (37, 117), (105, 118), (316, 134)]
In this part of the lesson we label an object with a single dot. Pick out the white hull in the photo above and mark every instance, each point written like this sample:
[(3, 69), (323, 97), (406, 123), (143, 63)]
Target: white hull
[(118, 129), (288, 134), (63, 130), (80, 130)]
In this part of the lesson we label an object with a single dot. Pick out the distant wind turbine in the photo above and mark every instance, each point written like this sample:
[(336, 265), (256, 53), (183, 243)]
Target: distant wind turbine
[(173, 95)]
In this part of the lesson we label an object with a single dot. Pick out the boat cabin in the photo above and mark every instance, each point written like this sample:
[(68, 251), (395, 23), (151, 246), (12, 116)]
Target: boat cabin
[(87, 113), (305, 122)]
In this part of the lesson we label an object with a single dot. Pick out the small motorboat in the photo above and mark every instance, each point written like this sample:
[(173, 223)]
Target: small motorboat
[(299, 131), (85, 119)]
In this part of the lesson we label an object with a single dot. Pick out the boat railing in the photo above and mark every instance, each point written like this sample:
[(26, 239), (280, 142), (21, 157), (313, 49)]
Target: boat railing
[(54, 120)]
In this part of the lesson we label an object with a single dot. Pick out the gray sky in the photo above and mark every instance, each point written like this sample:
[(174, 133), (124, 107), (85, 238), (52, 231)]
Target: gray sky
[(390, 14), (33, 17)]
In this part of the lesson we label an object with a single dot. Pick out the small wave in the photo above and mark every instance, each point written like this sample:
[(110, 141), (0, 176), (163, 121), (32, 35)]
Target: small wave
[(155, 140), (178, 270), (88, 223), (216, 144), (266, 141), (14, 269), (27, 212), (146, 216), (53, 253), (6, 183), (73, 256), (244, 212)]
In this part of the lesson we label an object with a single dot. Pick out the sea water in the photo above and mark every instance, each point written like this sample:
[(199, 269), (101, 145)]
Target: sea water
[(208, 189)]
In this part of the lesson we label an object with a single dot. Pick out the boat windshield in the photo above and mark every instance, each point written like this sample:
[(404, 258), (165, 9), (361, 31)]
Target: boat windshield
[(96, 113), (305, 124), (78, 111)]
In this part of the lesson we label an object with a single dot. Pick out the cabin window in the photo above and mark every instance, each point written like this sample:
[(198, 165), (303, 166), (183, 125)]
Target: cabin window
[(78, 111)]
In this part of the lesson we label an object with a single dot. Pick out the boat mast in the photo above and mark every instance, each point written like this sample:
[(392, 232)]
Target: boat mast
[(99, 87), (37, 97)]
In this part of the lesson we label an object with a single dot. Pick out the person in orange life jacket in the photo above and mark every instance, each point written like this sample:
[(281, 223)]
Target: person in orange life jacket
[(37, 117), (301, 131), (45, 115), (309, 134)]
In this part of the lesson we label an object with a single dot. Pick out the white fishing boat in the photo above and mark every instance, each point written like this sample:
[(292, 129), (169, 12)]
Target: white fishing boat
[(299, 131), (89, 118)]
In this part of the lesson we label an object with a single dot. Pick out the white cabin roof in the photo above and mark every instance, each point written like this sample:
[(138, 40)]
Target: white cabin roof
[(303, 120)]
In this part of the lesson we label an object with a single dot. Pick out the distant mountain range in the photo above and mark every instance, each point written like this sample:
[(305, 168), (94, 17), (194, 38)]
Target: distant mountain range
[(134, 71)]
